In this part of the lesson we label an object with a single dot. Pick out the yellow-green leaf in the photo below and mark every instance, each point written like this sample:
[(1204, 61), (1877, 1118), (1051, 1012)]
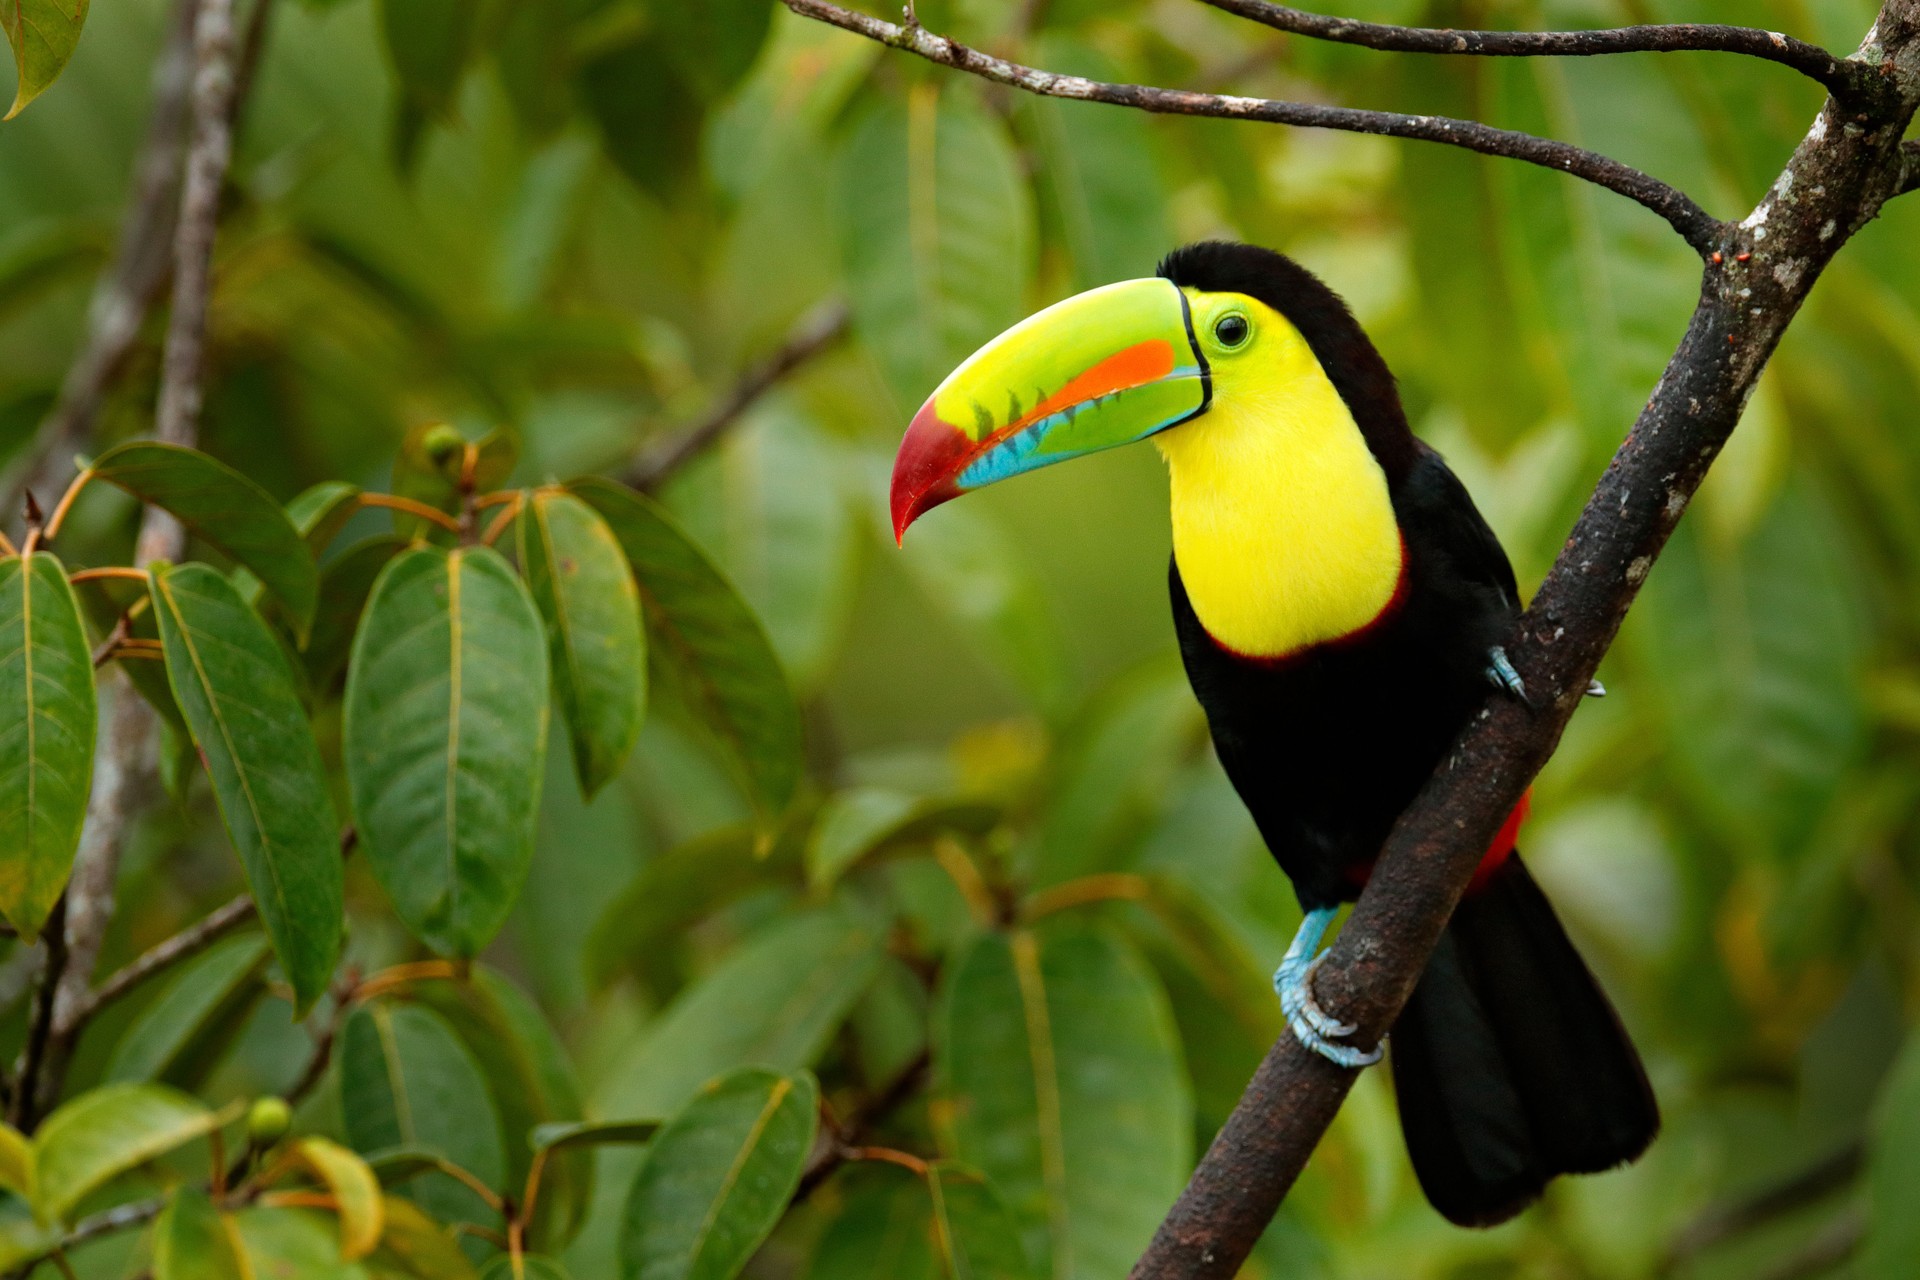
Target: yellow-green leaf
[(195, 1241), (16, 1162), (103, 1133), (355, 1191), (43, 34), (47, 715)]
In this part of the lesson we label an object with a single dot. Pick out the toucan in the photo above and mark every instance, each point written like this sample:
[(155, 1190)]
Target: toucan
[(1340, 604)]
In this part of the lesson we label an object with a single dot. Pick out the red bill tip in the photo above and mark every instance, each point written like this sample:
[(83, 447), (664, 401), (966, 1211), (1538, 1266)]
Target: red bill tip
[(931, 457)]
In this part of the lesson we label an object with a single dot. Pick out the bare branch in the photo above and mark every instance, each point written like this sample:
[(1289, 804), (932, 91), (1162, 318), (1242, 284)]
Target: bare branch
[(1910, 152), (1848, 81), (1841, 174), (817, 331), (1694, 224), (186, 944)]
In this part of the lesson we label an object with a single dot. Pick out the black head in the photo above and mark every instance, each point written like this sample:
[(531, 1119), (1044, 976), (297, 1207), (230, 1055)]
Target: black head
[(1335, 337)]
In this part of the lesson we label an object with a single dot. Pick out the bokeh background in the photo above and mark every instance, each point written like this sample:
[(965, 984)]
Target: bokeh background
[(582, 219)]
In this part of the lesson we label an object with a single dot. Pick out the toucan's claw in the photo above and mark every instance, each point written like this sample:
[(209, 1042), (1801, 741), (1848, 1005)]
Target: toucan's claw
[(1313, 1026), (1501, 673), (1595, 689)]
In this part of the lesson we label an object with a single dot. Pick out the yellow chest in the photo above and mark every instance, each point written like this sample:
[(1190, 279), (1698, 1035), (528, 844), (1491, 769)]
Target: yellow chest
[(1283, 528)]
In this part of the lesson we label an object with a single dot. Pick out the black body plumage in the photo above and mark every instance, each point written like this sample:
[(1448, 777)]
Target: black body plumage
[(1509, 1063)]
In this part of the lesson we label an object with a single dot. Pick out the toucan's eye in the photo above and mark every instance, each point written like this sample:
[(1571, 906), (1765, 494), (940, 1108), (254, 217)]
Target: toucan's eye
[(1231, 330)]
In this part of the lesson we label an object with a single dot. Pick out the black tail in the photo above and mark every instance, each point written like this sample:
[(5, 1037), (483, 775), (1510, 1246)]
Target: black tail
[(1509, 1063)]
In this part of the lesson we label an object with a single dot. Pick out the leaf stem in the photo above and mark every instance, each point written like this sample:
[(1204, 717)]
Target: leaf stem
[(109, 571), (65, 504), (505, 518), (1117, 886), (395, 502)]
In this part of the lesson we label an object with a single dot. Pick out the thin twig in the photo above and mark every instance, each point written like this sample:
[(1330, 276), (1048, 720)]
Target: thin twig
[(131, 285), (1722, 1222), (841, 1140), (816, 332), (40, 1027), (1844, 79), (184, 945), (1694, 224), (1826, 1251)]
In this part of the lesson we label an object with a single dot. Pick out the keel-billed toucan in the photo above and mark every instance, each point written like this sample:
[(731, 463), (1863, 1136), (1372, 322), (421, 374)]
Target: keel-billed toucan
[(1339, 603)]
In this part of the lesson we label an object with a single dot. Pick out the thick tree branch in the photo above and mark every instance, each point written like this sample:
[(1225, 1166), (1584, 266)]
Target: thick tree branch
[(816, 332), (1699, 229), (1910, 151), (1838, 178), (1851, 82)]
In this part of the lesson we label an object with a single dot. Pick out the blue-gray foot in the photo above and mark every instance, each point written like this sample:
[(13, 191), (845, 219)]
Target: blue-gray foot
[(1501, 673), (1313, 1026)]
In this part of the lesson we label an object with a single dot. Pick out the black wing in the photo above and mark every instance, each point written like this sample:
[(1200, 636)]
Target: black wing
[(1438, 515)]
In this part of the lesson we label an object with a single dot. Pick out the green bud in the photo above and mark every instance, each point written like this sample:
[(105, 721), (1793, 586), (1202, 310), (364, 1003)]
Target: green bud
[(268, 1121)]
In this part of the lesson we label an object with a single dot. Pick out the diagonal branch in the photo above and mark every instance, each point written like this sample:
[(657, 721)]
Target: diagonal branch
[(1694, 224), (1910, 152), (1847, 80)]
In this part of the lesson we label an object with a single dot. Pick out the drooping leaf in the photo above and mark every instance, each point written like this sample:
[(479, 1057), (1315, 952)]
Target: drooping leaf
[(446, 721), (232, 683), (585, 592), (355, 1191), (937, 229), (218, 504), (103, 1133), (195, 1241), (48, 711), (1892, 1246), (716, 42), (407, 1081), (1059, 1061), (44, 34), (416, 1245), (718, 1177), (178, 1039), (775, 1001), (703, 632)]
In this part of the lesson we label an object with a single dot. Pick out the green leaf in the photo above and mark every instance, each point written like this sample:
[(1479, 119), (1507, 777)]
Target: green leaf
[(585, 592), (1059, 1067), (297, 1244), (44, 34), (319, 512), (195, 1241), (103, 1133), (406, 1080), (46, 746), (179, 1037), (717, 41), (1892, 1247), (775, 1001), (16, 1162), (416, 1245), (975, 1238), (718, 1178), (355, 1191), (345, 583), (649, 115), (705, 634), (592, 1133), (218, 504), (861, 823), (1099, 171), (949, 1226), (638, 929), (532, 1267), (446, 726), (232, 683), (429, 42), (937, 229)]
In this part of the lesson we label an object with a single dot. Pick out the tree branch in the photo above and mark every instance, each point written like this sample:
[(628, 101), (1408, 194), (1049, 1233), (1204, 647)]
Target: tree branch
[(1851, 82), (816, 332), (186, 944), (1839, 177), (1694, 224), (1910, 151)]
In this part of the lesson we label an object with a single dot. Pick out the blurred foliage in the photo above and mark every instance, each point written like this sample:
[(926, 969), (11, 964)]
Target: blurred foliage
[(975, 883)]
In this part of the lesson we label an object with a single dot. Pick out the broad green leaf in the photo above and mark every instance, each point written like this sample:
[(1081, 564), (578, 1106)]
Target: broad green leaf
[(937, 230), (217, 503), (592, 1133), (232, 683), (975, 1238), (446, 725), (716, 41), (21, 1238), (103, 1133), (1757, 651), (861, 823), (297, 1244), (529, 1079), (531, 1267), (44, 34), (429, 42), (709, 639), (718, 1178), (1059, 1069), (46, 745), (179, 1038), (637, 929), (585, 592), (355, 1191), (949, 1226), (1099, 173), (416, 1245), (535, 57), (1892, 1247), (345, 583), (16, 1162), (647, 112), (195, 1241), (406, 1080), (774, 1002), (320, 511)]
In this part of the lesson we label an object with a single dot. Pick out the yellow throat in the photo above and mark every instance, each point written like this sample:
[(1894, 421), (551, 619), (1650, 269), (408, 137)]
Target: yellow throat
[(1282, 525)]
